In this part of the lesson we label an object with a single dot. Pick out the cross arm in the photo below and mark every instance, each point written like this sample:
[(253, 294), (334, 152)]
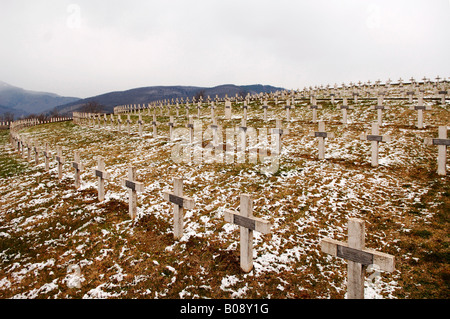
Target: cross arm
[(182, 201), (378, 138), (101, 174), (436, 141), (365, 256), (253, 223), (135, 186)]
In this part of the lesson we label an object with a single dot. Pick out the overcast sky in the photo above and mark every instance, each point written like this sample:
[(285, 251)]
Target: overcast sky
[(85, 48)]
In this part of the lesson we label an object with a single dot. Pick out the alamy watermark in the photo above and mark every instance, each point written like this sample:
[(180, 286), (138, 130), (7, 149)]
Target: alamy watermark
[(197, 145)]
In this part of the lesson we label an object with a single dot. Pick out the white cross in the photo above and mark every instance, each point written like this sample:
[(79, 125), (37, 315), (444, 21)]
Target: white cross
[(344, 107), (101, 176), (47, 157), (247, 224), (358, 257), (154, 123), (375, 139), (379, 107), (36, 154), (140, 123), (78, 168), (133, 188), (60, 160), (420, 108), (442, 142), (179, 202), (314, 107), (265, 107), (321, 135), (171, 123), (228, 109)]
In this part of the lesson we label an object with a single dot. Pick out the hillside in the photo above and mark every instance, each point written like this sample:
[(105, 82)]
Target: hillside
[(61, 242), (25, 102), (157, 93)]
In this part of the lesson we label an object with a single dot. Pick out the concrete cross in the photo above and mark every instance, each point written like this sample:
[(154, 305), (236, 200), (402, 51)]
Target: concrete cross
[(420, 108), (265, 107), (358, 257), (101, 176), (171, 124), (47, 157), (112, 121), (375, 139), (314, 107), (288, 110), (247, 224), (321, 135), (276, 136), (60, 160), (442, 142), (119, 122), (199, 109), (128, 123), (379, 107), (179, 202), (344, 107), (154, 123), (228, 109), (212, 110), (140, 123), (36, 154), (78, 168), (133, 188)]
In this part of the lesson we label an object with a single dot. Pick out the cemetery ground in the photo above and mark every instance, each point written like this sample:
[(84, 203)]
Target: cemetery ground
[(57, 241)]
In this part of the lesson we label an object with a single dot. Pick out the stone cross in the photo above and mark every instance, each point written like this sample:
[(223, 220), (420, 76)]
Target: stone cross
[(243, 140), (133, 188), (212, 109), (359, 257), (247, 224), (288, 110), (379, 107), (314, 108), (344, 107), (420, 108), (228, 109), (28, 151), (47, 157), (154, 123), (215, 135), (442, 142), (36, 154), (276, 135), (101, 176), (112, 121), (375, 139), (199, 109), (128, 123), (443, 93), (265, 107), (119, 122), (171, 123), (179, 202), (78, 168), (190, 127), (140, 123), (60, 160), (321, 135)]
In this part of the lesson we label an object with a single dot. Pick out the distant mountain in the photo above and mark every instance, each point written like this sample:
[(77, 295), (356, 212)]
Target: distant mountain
[(158, 93), (24, 102)]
